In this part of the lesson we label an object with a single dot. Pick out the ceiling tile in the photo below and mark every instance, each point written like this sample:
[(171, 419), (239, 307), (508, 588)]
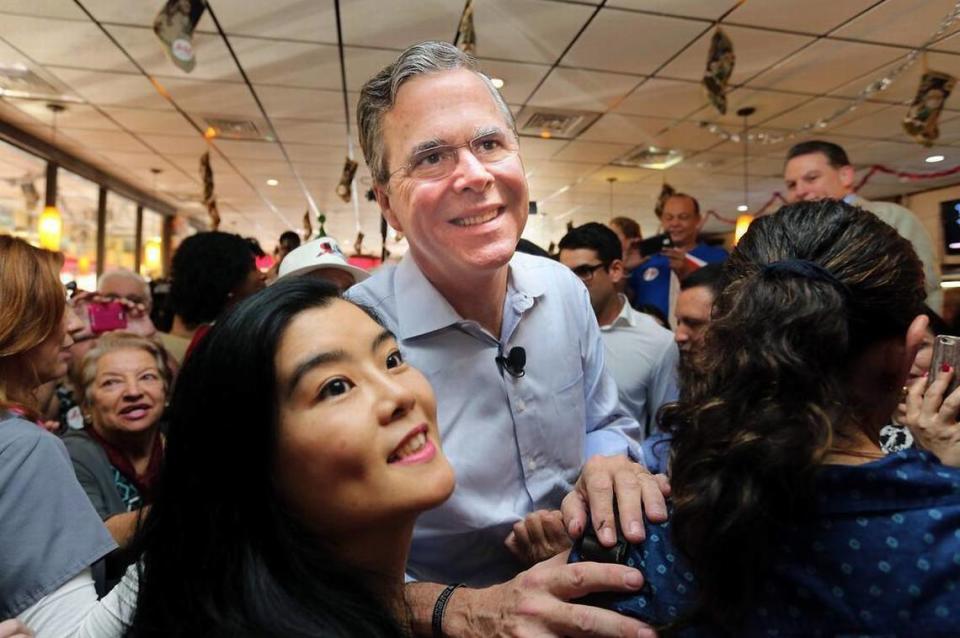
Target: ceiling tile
[(591, 152), (235, 149), (810, 16), (363, 63), (135, 13), (546, 168), (307, 132), (294, 64), (525, 30), (519, 79), (825, 65), (628, 129), (101, 141), (707, 9), (77, 116), (663, 98), (306, 20), (904, 87), (795, 119), (149, 121), (115, 89), (50, 41), (756, 50), (366, 23), (905, 22), (585, 90), (871, 120), (630, 42), (223, 99), (686, 136), (308, 104), (176, 143), (44, 8), (533, 148), (767, 104), (214, 61)]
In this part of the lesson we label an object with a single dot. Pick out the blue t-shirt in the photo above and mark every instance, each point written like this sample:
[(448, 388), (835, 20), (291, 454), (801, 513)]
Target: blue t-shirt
[(881, 558), (650, 281)]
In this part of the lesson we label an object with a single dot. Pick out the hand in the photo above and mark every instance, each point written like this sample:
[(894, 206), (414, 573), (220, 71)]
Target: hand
[(539, 536), (679, 262), (536, 603), (933, 420), (13, 628), (138, 319), (637, 492)]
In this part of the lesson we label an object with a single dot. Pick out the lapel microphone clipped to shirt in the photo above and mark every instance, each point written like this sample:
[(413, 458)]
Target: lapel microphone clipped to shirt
[(513, 363)]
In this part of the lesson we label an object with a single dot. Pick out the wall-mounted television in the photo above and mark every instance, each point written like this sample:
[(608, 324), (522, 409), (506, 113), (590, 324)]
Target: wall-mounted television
[(950, 218)]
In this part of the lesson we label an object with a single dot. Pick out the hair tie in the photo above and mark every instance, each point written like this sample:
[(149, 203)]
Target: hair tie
[(807, 270)]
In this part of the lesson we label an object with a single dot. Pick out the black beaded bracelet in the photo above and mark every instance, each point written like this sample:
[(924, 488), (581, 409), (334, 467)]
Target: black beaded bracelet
[(439, 607)]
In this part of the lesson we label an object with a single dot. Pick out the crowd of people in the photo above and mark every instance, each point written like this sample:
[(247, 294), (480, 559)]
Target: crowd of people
[(622, 439)]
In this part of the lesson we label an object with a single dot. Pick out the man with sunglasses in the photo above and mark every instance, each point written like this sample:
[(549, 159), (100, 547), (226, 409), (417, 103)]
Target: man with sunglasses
[(641, 354), (444, 155)]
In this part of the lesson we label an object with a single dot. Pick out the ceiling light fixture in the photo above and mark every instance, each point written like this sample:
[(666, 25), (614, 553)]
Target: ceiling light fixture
[(272, 182), (497, 82), (933, 159)]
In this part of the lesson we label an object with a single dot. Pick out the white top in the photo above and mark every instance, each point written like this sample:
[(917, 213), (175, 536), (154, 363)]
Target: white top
[(642, 357)]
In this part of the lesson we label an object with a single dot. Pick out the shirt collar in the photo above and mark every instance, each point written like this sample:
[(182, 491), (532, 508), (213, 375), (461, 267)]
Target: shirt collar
[(421, 309), (626, 316)]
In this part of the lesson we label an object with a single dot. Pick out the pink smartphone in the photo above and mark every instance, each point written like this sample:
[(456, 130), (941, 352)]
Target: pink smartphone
[(106, 316)]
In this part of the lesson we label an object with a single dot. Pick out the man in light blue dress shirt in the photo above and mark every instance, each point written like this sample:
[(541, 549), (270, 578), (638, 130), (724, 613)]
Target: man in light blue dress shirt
[(443, 152)]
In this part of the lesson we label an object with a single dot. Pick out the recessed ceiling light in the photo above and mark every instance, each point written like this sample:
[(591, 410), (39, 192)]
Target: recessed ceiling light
[(272, 182), (933, 159), (743, 208), (497, 82)]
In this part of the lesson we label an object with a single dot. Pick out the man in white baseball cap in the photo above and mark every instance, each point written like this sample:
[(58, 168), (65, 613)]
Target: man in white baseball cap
[(323, 259)]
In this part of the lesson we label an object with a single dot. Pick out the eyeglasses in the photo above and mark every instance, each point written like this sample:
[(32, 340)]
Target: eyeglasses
[(437, 162), (585, 271)]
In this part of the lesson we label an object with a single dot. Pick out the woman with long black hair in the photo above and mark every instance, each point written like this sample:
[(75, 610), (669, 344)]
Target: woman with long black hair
[(301, 449)]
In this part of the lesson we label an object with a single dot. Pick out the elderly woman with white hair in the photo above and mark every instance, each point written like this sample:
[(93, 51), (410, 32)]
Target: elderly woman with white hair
[(124, 381)]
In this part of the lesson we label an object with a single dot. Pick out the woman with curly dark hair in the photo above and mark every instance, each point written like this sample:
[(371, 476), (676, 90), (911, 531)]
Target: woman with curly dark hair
[(787, 516)]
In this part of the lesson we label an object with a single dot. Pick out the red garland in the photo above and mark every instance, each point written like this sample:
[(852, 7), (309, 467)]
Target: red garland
[(876, 168)]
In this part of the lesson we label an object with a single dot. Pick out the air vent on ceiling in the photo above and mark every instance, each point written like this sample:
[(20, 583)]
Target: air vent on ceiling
[(237, 129), (650, 157), (559, 123), (18, 80)]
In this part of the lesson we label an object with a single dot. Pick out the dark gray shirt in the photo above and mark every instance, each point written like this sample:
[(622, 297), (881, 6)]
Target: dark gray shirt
[(97, 477), (49, 531)]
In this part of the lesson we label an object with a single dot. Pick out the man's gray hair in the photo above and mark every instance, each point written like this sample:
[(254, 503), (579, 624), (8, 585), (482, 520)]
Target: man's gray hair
[(379, 95), (124, 273)]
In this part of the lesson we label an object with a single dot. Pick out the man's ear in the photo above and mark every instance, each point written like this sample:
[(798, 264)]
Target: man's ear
[(847, 175), (616, 271), (383, 200)]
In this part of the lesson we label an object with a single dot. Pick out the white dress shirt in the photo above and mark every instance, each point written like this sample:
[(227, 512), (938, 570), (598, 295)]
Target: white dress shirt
[(642, 357)]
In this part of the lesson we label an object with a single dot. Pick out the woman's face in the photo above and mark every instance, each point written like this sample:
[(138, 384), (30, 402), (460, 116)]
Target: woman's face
[(358, 441), (128, 393), (51, 356)]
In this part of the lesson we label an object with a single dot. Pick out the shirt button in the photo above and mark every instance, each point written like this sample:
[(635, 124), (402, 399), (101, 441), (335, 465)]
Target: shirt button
[(531, 465), (521, 406)]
